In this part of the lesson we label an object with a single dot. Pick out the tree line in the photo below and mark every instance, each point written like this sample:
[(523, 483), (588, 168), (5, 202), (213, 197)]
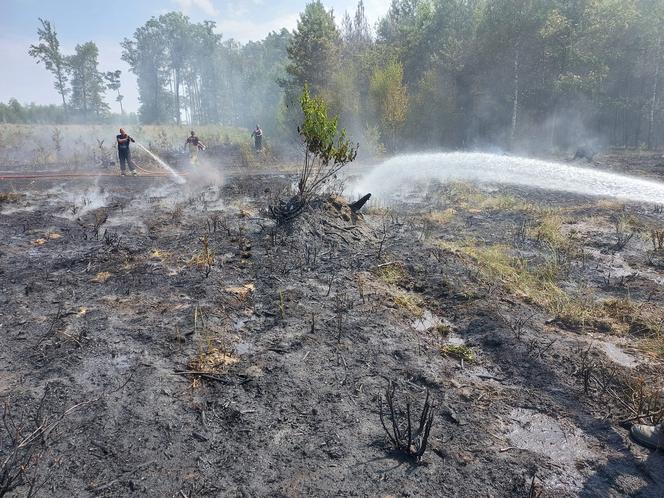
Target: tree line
[(16, 113), (472, 73), (431, 73), (185, 71)]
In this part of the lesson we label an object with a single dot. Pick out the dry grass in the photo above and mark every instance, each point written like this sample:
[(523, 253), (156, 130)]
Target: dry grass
[(242, 292), (549, 230), (212, 361), (392, 273), (409, 301), (657, 238), (214, 353), (205, 257), (640, 319), (10, 197), (84, 145), (458, 351), (472, 199), (536, 285), (610, 205), (160, 255), (102, 277), (48, 236), (441, 217)]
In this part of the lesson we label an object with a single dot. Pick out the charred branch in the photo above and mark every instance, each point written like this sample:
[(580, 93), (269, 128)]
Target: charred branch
[(401, 432)]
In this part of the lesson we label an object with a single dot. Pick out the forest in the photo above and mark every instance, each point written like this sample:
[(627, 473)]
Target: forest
[(514, 74)]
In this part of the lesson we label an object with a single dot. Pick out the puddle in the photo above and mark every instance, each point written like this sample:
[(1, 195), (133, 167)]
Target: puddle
[(455, 339), (426, 322), (121, 362), (429, 321), (539, 433), (243, 348), (618, 268), (618, 356)]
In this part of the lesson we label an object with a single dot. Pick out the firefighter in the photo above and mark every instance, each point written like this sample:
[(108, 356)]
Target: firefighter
[(257, 135), (123, 152), (194, 145)]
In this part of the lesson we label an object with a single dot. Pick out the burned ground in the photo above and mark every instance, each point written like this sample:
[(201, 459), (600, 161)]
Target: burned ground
[(202, 350)]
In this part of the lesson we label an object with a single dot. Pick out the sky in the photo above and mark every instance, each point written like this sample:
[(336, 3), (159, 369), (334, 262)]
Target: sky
[(108, 22)]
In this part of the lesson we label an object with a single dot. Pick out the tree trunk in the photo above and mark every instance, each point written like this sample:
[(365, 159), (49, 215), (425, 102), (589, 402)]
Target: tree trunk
[(515, 98), (653, 99), (61, 86), (177, 97), (554, 125), (84, 94)]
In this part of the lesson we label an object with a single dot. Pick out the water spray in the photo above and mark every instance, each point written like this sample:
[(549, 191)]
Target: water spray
[(392, 175), (176, 177)]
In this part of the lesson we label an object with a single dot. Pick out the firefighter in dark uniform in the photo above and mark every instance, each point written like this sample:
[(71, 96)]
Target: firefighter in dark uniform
[(194, 145), (257, 135), (123, 152)]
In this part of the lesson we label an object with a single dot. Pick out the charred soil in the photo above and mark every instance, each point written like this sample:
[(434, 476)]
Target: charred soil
[(164, 340)]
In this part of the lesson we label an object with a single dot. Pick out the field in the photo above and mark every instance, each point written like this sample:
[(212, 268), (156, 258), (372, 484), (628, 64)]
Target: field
[(168, 340), (84, 147)]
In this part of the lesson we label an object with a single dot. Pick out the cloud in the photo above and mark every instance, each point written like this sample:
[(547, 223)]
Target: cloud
[(206, 6), (245, 30), (26, 81)]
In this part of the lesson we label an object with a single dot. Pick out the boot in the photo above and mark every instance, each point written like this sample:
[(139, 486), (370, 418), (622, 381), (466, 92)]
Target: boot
[(650, 436)]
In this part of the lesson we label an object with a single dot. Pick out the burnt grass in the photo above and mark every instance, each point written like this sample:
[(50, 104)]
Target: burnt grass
[(175, 341)]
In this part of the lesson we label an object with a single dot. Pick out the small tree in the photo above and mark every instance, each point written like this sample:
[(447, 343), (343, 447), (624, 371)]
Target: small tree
[(48, 52), (113, 83), (327, 150), (390, 98)]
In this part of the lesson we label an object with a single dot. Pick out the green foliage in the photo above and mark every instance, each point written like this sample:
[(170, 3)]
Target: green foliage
[(313, 53), (113, 83), (390, 99), (87, 83), (48, 52), (185, 70), (450, 73), (327, 149), (14, 112)]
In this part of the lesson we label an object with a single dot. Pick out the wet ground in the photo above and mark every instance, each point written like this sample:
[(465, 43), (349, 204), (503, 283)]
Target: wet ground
[(173, 341)]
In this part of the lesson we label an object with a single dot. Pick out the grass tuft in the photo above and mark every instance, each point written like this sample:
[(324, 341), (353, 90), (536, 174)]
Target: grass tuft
[(458, 351)]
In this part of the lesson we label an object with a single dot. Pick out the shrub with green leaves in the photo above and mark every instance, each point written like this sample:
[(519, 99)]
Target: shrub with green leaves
[(327, 150)]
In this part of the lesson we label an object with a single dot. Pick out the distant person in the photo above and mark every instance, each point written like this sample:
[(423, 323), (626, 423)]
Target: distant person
[(194, 145), (257, 135), (123, 152), (650, 436), (584, 152)]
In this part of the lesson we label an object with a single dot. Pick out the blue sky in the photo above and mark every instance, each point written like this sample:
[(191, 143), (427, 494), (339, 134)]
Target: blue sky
[(108, 22)]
